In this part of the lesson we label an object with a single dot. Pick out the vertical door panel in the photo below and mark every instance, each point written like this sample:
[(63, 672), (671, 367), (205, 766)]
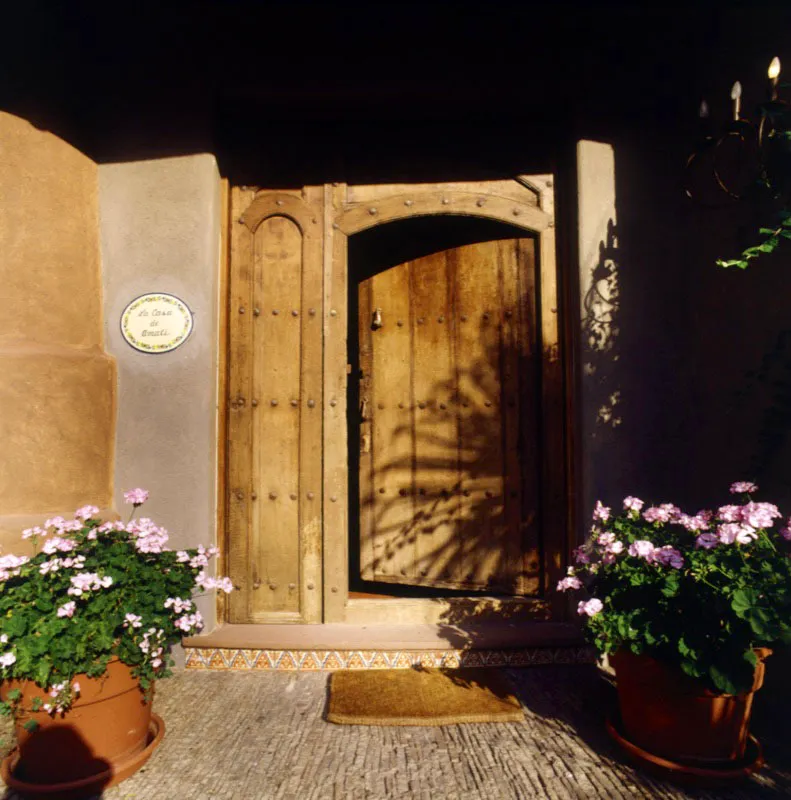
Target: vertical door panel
[(435, 459), (276, 384), (389, 435), (479, 299), (275, 419), (240, 451)]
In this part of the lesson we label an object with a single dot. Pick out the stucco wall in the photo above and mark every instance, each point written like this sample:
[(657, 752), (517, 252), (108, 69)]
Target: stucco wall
[(159, 225), (57, 386)]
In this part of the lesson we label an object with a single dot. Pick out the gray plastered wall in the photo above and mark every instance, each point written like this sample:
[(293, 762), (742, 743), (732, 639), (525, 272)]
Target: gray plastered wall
[(160, 232)]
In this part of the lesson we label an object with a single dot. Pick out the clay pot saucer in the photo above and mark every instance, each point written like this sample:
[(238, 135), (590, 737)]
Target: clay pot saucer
[(687, 774), (84, 787)]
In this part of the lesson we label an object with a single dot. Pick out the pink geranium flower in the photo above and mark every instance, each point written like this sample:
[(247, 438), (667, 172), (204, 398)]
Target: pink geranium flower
[(581, 556), (696, 523), (58, 544), (601, 512), (136, 496), (641, 549), (67, 609), (86, 512), (569, 582), (668, 556), (707, 540), (729, 513), (760, 515), (590, 607), (657, 514), (733, 532), (743, 487), (633, 504)]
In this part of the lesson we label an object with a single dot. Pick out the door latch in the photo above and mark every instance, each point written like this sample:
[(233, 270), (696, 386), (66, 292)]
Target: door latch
[(376, 320)]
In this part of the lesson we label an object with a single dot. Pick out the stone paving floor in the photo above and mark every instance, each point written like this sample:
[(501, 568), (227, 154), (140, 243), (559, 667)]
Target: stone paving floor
[(256, 736)]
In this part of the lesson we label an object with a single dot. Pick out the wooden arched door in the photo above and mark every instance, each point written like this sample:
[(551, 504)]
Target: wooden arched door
[(449, 431), (288, 476)]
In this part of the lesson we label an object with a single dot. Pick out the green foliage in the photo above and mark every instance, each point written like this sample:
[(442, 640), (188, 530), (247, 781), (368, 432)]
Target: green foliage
[(705, 609), (92, 592), (771, 239)]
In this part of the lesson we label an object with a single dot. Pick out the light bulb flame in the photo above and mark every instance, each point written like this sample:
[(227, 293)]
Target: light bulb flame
[(774, 69), (736, 91)]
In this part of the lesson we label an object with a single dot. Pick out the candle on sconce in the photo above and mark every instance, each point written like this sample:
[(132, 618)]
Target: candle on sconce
[(774, 73), (705, 120), (736, 96)]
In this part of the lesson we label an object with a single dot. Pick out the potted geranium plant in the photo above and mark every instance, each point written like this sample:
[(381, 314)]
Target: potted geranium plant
[(687, 607), (86, 626)]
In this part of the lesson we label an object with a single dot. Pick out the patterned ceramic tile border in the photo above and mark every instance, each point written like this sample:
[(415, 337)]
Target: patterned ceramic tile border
[(328, 660)]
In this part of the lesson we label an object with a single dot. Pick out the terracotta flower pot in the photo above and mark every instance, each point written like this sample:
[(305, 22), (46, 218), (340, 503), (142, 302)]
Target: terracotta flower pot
[(669, 714), (108, 725)]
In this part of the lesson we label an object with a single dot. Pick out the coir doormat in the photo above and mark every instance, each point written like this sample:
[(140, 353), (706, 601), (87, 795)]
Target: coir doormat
[(421, 697)]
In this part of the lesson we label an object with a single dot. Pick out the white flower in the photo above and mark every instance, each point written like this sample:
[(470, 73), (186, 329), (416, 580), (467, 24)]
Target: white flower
[(7, 659)]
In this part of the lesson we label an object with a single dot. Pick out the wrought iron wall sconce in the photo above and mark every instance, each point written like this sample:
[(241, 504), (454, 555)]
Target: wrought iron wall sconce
[(747, 159), (745, 153)]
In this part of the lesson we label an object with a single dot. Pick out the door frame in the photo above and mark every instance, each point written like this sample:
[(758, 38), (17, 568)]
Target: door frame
[(528, 203), (327, 216)]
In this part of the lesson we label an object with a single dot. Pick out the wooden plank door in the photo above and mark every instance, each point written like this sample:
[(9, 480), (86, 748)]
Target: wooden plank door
[(449, 439), (275, 407)]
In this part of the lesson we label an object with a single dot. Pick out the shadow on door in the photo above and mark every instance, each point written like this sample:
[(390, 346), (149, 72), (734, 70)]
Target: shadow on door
[(443, 451)]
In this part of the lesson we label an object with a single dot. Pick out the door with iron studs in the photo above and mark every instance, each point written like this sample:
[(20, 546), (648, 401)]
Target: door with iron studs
[(449, 432), (394, 426)]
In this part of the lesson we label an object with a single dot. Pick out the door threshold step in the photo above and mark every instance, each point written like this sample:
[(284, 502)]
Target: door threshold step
[(341, 646)]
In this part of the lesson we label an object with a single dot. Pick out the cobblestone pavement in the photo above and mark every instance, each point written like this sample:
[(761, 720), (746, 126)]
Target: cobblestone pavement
[(256, 736)]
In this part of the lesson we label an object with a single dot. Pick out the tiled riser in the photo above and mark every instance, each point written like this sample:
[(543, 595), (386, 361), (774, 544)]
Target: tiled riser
[(329, 660)]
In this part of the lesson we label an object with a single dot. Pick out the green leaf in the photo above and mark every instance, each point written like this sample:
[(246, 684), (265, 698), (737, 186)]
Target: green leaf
[(30, 725), (15, 625), (742, 601), (691, 668), (734, 262), (760, 621), (722, 681), (671, 584), (42, 672)]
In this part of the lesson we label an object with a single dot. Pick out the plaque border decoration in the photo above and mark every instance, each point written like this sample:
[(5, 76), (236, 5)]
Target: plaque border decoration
[(162, 297)]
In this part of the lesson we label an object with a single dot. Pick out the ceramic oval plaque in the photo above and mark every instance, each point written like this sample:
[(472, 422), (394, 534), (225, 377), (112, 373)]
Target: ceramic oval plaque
[(156, 323)]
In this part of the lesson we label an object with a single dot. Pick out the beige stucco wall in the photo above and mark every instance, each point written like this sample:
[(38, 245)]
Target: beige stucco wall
[(57, 385), (600, 391), (160, 232)]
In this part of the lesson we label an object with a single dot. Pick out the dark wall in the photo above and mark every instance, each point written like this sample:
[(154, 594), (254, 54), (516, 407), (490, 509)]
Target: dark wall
[(288, 94)]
